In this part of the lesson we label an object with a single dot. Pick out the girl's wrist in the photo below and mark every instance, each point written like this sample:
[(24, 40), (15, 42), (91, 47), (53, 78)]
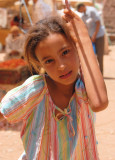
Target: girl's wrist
[(84, 40), (84, 46)]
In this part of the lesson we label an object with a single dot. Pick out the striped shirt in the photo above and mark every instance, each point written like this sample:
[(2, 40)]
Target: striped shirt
[(44, 136)]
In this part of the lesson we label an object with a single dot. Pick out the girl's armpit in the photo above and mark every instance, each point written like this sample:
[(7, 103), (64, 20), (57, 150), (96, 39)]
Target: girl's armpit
[(1, 117)]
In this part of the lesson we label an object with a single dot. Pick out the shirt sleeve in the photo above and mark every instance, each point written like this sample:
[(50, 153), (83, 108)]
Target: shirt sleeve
[(20, 101), (95, 15)]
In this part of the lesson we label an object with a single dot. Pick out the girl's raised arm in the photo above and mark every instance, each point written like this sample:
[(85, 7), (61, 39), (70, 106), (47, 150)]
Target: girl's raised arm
[(94, 83)]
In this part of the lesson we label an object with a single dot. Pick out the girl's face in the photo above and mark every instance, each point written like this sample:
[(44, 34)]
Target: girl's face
[(59, 58)]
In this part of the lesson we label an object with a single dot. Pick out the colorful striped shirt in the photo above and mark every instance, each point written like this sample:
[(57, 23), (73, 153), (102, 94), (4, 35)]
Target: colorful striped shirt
[(44, 136)]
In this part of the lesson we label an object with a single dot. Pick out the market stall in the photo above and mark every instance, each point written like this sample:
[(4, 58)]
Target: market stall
[(13, 71)]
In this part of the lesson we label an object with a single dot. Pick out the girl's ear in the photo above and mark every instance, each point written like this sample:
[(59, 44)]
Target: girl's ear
[(39, 65), (41, 68)]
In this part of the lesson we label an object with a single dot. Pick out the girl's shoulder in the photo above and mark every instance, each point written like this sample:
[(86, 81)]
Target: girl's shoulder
[(80, 88), (32, 84), (20, 101), (39, 79), (80, 82)]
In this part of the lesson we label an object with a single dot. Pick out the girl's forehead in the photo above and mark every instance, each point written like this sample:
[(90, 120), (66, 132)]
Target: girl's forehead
[(53, 39), (56, 36), (53, 44)]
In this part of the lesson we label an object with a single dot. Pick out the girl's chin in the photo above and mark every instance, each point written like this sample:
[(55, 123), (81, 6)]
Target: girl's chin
[(66, 82)]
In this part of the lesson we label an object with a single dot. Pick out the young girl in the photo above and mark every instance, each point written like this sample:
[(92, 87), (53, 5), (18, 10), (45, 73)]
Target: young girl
[(56, 108)]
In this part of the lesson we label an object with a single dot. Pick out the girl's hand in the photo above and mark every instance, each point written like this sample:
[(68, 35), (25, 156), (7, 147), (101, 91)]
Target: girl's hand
[(76, 26), (93, 38)]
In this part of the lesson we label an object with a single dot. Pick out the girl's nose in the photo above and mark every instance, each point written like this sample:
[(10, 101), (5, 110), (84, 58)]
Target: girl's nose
[(61, 67)]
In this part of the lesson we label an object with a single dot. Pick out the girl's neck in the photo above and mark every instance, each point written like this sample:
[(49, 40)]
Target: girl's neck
[(66, 90), (60, 94)]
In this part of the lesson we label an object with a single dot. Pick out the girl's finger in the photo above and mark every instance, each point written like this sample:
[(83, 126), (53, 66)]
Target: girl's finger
[(65, 18), (72, 14)]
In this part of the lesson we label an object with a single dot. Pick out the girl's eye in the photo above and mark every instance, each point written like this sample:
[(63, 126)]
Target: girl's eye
[(65, 52), (48, 61)]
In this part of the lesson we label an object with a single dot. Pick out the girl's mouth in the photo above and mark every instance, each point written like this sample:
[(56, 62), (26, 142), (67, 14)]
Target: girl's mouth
[(66, 75)]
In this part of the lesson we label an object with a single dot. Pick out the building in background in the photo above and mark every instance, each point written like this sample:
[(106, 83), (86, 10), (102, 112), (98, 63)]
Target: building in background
[(109, 18)]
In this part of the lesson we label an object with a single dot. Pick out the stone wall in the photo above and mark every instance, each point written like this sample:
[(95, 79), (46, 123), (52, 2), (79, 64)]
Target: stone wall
[(109, 16)]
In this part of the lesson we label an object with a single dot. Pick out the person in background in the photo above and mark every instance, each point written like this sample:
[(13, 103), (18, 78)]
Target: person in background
[(14, 43), (16, 21), (91, 18)]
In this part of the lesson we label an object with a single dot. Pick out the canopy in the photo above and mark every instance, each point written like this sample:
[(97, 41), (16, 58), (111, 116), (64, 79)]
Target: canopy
[(8, 3), (82, 1)]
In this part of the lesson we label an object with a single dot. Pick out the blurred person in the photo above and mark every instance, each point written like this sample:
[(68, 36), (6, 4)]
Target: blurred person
[(91, 18), (40, 10), (17, 21), (14, 43)]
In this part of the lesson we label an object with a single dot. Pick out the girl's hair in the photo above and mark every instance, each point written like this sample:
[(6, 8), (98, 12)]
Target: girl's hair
[(39, 32)]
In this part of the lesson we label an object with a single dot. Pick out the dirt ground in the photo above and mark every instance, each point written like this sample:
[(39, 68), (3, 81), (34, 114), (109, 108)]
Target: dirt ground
[(10, 143), (105, 120)]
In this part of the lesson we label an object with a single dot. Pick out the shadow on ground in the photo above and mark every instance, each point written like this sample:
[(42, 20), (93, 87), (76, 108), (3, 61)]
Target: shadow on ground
[(109, 78)]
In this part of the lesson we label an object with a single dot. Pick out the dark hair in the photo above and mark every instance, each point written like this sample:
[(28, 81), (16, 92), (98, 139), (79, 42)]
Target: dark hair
[(79, 6), (18, 19), (39, 32)]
